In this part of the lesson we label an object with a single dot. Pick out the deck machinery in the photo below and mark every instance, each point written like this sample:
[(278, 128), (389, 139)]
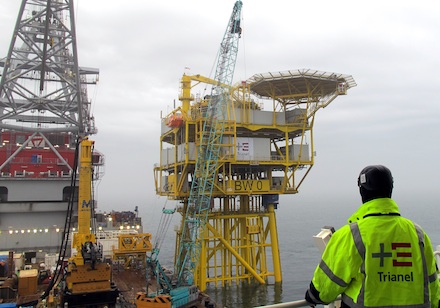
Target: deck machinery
[(266, 151)]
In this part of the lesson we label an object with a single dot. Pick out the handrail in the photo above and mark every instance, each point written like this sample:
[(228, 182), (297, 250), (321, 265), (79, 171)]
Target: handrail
[(300, 303), (294, 304)]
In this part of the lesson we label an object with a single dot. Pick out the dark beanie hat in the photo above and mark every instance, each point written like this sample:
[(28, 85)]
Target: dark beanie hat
[(375, 181)]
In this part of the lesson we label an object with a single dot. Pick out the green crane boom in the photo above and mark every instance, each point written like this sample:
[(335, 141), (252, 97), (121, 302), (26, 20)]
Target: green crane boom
[(208, 153)]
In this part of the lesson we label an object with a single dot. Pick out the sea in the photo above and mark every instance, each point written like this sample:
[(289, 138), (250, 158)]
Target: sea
[(297, 223)]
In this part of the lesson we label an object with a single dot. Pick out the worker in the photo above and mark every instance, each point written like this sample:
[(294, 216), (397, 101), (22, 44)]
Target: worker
[(379, 259)]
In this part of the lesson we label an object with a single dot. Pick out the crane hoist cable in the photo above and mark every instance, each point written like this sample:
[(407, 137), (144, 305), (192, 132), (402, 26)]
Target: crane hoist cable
[(155, 269), (93, 220), (67, 224), (162, 229)]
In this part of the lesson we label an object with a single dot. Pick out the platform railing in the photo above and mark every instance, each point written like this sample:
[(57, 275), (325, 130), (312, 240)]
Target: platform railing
[(301, 303)]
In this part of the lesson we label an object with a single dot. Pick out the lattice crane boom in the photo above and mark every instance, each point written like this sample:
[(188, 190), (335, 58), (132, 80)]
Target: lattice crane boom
[(208, 153), (43, 52)]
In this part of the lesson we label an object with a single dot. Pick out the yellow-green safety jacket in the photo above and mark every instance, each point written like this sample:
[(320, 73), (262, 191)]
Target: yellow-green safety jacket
[(379, 259)]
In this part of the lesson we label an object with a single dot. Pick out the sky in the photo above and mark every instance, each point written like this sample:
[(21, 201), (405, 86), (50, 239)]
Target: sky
[(392, 117)]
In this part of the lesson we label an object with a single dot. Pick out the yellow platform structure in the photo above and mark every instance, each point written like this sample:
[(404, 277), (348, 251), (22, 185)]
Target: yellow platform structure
[(132, 249), (266, 151)]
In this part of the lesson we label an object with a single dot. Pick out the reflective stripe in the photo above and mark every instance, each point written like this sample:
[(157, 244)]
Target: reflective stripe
[(356, 233), (331, 275), (314, 299), (361, 249), (421, 236), (433, 277)]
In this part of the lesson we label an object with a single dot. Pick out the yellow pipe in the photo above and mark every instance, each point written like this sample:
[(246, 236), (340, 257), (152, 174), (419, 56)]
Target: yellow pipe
[(202, 266), (239, 258), (274, 240), (186, 93)]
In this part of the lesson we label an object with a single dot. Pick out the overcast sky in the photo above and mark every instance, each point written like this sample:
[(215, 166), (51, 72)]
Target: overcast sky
[(391, 48)]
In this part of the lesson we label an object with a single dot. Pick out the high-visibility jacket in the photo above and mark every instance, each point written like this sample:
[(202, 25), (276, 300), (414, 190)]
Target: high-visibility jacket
[(379, 259)]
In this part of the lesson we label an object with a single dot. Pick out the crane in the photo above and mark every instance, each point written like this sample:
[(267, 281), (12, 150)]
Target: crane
[(44, 94), (208, 153), (88, 280), (198, 203)]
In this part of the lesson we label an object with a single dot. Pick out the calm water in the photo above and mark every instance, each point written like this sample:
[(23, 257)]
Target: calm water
[(299, 255)]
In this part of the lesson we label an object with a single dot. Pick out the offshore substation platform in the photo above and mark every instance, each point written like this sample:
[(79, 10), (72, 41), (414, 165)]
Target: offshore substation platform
[(265, 150)]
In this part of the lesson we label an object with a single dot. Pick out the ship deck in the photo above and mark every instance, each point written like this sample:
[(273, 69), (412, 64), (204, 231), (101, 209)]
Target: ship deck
[(129, 283)]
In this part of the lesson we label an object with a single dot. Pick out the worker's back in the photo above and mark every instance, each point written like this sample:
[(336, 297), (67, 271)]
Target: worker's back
[(394, 270), (379, 259)]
